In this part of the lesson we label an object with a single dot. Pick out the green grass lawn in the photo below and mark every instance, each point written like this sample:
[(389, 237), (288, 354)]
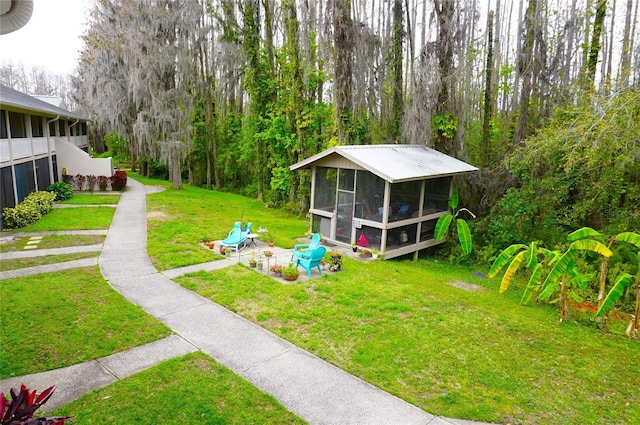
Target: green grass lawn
[(400, 326), (21, 263), (178, 219), (192, 389), (81, 218), (54, 320), (53, 241), (93, 199)]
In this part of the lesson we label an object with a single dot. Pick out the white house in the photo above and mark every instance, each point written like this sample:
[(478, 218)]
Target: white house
[(40, 142)]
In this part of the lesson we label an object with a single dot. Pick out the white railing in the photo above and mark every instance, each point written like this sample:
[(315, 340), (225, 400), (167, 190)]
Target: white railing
[(4, 150), (40, 145), (21, 148)]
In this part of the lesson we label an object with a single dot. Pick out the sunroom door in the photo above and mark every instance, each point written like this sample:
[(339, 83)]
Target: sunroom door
[(345, 205)]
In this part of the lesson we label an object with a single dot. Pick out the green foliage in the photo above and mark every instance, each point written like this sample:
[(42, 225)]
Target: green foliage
[(119, 146), (615, 293), (34, 206), (62, 190), (582, 168), (443, 225), (444, 125)]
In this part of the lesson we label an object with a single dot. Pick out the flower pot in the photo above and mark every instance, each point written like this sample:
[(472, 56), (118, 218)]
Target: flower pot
[(374, 256), (210, 245), (268, 253), (354, 249), (291, 277), (253, 265), (223, 250), (271, 244)]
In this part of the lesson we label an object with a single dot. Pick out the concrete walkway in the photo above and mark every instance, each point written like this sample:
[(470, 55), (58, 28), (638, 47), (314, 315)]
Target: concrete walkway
[(310, 387)]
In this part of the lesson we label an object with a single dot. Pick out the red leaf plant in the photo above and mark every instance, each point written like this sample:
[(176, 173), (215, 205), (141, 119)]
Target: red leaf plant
[(23, 404)]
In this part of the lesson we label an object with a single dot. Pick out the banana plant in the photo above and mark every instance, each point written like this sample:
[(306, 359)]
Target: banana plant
[(565, 276), (443, 225), (515, 256), (624, 280), (587, 232)]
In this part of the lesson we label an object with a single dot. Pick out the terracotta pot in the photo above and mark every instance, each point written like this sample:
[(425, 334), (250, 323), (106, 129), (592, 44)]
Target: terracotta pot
[(210, 245), (291, 276), (271, 244)]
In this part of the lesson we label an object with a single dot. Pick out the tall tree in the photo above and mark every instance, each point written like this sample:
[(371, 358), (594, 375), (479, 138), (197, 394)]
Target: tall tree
[(343, 74)]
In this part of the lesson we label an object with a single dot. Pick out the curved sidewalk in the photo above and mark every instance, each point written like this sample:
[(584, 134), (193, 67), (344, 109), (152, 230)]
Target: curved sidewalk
[(312, 388)]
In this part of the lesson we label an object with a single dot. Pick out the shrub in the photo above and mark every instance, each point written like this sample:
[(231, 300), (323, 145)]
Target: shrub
[(80, 179), (92, 180), (103, 182), (62, 190), (23, 404), (119, 180), (29, 211)]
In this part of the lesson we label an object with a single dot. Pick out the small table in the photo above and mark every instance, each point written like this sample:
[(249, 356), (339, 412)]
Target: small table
[(252, 238)]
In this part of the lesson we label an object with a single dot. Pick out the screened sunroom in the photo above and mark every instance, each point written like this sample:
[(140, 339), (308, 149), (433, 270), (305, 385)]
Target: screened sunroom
[(387, 197)]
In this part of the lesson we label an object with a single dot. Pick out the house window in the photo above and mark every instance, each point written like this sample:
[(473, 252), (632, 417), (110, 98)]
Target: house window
[(83, 129), (52, 128), (369, 196), (36, 126), (62, 127), (6, 188), (405, 200), (436, 196), (17, 125), (324, 197), (3, 124), (25, 181), (42, 173)]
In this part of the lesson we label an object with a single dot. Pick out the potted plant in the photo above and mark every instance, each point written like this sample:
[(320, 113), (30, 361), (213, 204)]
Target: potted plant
[(374, 253), (276, 269), (336, 261), (365, 253), (267, 253), (207, 242), (270, 240), (223, 250), (260, 265), (354, 247), (290, 272), (252, 260)]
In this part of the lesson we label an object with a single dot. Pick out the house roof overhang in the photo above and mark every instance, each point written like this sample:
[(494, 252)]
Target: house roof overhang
[(17, 101), (394, 163)]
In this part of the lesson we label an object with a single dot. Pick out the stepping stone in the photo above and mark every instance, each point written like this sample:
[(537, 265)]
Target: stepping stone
[(33, 242), (35, 238), (31, 247)]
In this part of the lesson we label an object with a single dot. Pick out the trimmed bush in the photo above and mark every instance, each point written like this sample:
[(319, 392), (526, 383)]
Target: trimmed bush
[(34, 206), (119, 180), (62, 190)]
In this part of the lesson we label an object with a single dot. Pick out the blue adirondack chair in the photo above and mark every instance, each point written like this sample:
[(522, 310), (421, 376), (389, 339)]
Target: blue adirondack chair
[(311, 258), (302, 247), (237, 239)]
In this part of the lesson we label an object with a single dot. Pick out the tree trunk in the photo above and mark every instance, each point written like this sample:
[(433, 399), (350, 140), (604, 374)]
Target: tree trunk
[(343, 33), (596, 45), (397, 106), (488, 95)]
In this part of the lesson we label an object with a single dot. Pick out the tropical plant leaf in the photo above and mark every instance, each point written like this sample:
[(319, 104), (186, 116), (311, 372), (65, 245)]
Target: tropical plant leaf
[(504, 258), (615, 293), (580, 280), (511, 271), (574, 296), (559, 269), (533, 284), (549, 289), (630, 237), (591, 245), (453, 201), (532, 255), (585, 232), (464, 235), (442, 226)]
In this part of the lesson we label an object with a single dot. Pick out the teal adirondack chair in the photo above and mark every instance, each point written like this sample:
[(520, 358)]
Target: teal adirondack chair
[(302, 247), (310, 258)]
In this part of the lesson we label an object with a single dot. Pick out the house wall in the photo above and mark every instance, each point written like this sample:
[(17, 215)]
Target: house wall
[(76, 161), (30, 152)]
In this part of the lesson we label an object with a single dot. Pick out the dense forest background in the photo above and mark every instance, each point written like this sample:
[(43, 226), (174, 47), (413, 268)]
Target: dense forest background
[(542, 95)]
